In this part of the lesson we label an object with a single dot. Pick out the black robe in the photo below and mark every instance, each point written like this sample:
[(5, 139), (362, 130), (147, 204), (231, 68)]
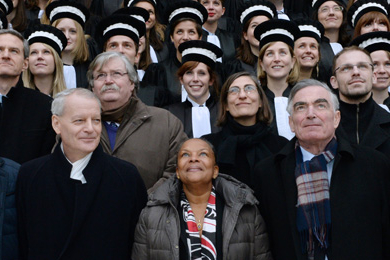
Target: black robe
[(60, 218), (153, 90), (227, 43), (271, 101), (171, 65), (326, 62), (183, 111), (25, 124)]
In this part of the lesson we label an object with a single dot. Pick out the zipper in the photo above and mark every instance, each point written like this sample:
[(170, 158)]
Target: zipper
[(357, 124)]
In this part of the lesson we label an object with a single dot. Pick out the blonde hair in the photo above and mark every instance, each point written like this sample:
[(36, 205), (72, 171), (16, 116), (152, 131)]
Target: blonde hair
[(292, 77), (80, 52), (58, 84)]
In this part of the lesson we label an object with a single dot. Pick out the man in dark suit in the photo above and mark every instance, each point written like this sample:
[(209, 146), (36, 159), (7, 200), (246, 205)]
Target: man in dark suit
[(25, 126), (322, 197), (78, 203)]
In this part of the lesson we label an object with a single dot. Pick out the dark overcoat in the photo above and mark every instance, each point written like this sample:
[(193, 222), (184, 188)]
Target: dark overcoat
[(60, 218), (359, 202), (25, 124)]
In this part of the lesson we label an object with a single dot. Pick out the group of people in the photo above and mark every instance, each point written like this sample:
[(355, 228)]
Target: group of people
[(172, 134)]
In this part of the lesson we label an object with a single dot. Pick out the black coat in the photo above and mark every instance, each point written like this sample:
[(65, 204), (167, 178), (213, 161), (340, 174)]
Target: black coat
[(183, 111), (60, 218), (245, 156), (368, 121), (359, 202), (171, 65), (153, 90), (25, 124), (326, 62)]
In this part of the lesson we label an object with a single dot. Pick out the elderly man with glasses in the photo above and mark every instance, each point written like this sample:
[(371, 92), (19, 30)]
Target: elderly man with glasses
[(321, 197), (362, 120), (149, 137)]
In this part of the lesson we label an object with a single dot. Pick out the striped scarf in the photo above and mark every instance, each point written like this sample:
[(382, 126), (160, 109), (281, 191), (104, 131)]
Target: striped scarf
[(313, 207), (205, 247)]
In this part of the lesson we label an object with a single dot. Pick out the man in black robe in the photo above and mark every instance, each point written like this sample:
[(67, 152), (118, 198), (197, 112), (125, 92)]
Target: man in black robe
[(78, 203), (25, 126)]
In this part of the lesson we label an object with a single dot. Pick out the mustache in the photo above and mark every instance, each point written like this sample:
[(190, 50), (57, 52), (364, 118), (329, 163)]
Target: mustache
[(109, 87)]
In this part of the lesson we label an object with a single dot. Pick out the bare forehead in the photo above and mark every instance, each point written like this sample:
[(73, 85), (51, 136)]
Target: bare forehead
[(352, 57), (195, 145), (113, 63), (9, 40), (120, 39), (312, 94)]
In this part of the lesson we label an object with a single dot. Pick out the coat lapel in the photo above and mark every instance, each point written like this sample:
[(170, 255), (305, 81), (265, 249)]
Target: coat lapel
[(85, 193), (375, 134), (291, 194)]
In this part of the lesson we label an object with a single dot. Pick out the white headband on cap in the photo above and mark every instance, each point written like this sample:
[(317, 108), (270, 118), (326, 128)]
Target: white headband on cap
[(372, 41), (255, 8), (201, 51), (310, 28), (139, 17), (48, 35), (186, 10), (313, 3), (67, 9), (277, 31), (131, 1), (364, 6), (121, 26), (5, 5)]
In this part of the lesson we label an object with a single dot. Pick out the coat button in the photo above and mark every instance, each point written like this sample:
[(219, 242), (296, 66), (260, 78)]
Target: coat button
[(168, 221), (176, 246)]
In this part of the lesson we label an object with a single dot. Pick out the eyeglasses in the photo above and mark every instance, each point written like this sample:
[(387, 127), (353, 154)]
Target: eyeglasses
[(113, 75), (326, 9), (362, 66), (248, 89)]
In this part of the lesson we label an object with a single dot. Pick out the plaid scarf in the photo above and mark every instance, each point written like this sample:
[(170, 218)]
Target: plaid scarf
[(313, 209)]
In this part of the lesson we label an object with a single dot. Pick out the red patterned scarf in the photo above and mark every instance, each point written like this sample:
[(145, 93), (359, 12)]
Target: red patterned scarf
[(205, 247)]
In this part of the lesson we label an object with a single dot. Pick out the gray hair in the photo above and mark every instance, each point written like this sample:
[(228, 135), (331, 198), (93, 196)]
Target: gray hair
[(58, 104), (26, 47), (308, 83), (103, 58)]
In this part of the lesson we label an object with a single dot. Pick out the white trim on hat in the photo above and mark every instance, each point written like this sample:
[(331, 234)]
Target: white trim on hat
[(1, 25), (121, 26), (5, 5), (364, 6), (201, 51), (313, 3), (372, 41), (277, 31), (131, 1), (48, 35), (311, 28), (186, 10), (67, 9), (255, 8), (139, 17)]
